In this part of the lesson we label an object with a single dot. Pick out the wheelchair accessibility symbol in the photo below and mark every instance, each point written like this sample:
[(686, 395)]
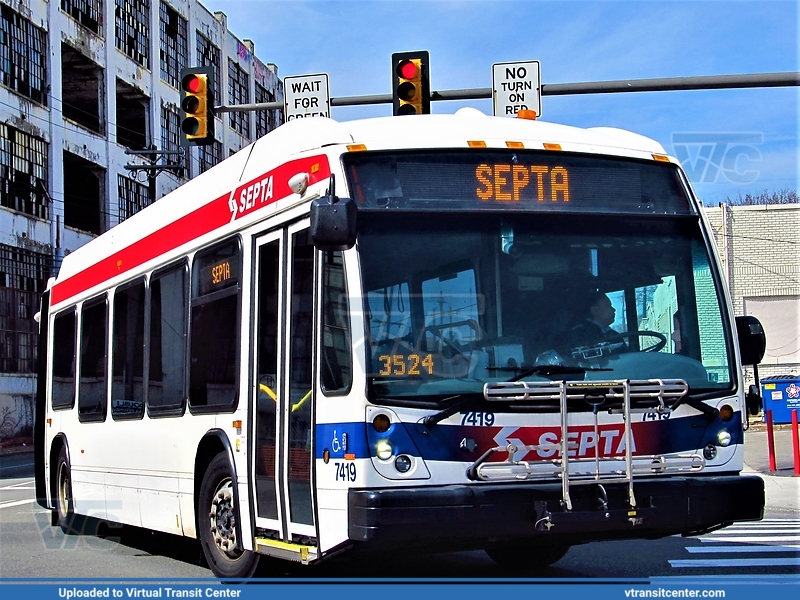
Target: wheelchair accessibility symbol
[(336, 445)]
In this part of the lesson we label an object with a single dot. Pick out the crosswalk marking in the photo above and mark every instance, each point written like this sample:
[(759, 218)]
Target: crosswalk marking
[(778, 538), (736, 562), (753, 538), (727, 532), (740, 549)]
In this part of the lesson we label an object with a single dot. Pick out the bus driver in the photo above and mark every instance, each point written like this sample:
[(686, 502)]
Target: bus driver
[(595, 328)]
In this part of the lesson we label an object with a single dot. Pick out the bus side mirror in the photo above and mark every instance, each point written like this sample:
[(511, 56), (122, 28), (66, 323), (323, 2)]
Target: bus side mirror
[(752, 339), (333, 223), (752, 400)]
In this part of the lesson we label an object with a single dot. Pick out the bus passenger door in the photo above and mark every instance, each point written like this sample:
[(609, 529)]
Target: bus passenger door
[(283, 345)]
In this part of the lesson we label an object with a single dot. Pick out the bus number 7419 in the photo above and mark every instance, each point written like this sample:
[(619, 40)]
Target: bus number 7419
[(478, 418)]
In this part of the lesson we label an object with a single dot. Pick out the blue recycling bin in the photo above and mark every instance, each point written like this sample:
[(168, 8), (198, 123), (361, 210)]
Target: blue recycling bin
[(781, 394)]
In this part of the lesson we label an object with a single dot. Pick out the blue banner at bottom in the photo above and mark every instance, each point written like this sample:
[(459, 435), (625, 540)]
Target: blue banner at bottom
[(728, 588)]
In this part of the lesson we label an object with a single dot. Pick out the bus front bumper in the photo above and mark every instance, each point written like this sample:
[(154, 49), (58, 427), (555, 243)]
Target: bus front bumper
[(470, 516)]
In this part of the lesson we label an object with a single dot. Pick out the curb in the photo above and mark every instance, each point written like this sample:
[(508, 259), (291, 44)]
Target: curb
[(13, 450)]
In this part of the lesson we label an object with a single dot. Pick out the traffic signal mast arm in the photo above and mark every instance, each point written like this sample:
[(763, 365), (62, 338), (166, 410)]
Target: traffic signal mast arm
[(709, 82)]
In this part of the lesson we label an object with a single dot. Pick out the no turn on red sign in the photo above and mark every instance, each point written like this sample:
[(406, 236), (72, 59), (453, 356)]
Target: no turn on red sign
[(516, 86)]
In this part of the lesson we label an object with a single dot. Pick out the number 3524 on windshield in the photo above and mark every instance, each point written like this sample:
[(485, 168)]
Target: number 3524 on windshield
[(406, 364)]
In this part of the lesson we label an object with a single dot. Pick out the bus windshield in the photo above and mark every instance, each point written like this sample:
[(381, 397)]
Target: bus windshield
[(453, 301)]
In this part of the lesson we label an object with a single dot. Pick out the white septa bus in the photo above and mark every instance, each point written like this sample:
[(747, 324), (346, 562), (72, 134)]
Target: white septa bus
[(416, 334)]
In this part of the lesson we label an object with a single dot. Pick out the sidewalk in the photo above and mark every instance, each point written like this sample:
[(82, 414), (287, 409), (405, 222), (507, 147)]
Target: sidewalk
[(781, 487)]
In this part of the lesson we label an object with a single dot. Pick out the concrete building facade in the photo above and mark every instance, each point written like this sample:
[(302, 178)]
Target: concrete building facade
[(759, 248), (82, 82)]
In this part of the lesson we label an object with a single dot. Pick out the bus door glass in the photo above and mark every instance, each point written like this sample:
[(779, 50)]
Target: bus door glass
[(283, 376), (268, 330), (299, 376)]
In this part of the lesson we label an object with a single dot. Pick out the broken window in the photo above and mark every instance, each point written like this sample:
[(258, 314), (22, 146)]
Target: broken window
[(266, 120), (133, 29), (23, 172), (23, 56), (88, 13), (132, 117), (23, 276), (171, 138), (239, 93), (208, 56), (173, 44), (83, 194), (82, 89), (210, 156), (133, 197)]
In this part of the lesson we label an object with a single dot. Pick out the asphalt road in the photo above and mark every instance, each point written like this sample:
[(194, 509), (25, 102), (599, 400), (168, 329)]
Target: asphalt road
[(30, 547)]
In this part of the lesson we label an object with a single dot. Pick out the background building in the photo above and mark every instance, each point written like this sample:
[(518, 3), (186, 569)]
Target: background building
[(81, 81), (759, 247)]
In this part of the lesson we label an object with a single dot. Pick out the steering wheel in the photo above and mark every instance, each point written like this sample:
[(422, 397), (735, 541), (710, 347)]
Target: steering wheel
[(457, 348), (662, 339)]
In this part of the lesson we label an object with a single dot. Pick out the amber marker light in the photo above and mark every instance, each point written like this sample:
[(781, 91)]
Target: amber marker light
[(549, 146), (526, 113), (356, 148), (726, 412), (660, 157), (381, 423), (515, 145), (476, 144)]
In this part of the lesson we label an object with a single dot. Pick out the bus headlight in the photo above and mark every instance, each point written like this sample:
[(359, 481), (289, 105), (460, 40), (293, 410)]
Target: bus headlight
[(710, 451), (402, 463), (384, 450), (724, 438)]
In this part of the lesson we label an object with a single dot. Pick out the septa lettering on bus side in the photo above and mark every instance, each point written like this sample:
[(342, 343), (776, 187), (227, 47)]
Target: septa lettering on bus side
[(274, 185)]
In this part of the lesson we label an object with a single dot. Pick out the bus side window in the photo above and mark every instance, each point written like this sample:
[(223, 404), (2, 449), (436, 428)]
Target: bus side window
[(166, 379), (335, 368), (63, 395), (214, 333), (127, 339), (93, 371)]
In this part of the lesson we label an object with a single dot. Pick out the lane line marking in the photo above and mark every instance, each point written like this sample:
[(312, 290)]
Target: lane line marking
[(17, 503), (17, 486)]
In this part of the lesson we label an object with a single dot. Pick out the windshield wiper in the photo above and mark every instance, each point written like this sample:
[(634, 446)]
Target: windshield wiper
[(463, 400), (551, 370)]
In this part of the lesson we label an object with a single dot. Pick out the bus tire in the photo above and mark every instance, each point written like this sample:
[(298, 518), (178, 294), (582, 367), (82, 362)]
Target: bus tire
[(217, 517), (527, 556), (65, 514)]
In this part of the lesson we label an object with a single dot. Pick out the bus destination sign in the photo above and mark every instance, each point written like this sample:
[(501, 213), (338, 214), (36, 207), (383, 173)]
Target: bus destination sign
[(506, 182)]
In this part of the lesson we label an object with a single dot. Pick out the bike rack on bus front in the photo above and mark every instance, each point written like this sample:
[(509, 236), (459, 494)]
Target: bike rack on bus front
[(652, 395)]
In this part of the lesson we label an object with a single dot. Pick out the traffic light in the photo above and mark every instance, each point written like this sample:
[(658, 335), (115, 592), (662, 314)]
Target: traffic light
[(411, 89), (197, 104)]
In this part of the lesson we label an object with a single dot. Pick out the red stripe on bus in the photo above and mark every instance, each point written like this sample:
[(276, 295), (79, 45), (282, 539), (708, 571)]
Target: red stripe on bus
[(205, 219)]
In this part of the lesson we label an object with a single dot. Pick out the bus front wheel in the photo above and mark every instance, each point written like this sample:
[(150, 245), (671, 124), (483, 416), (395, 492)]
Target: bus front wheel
[(217, 518), (526, 556), (64, 501)]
